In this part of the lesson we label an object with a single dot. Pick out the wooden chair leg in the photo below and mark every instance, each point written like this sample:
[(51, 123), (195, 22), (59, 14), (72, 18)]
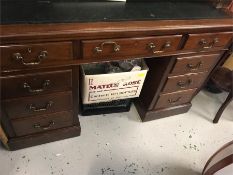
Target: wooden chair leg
[(3, 138), (224, 105)]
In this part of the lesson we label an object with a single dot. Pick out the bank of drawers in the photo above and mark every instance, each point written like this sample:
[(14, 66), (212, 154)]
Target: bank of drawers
[(38, 102), (187, 75)]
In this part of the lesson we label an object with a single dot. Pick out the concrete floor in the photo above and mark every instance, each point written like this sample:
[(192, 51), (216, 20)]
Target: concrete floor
[(119, 144)]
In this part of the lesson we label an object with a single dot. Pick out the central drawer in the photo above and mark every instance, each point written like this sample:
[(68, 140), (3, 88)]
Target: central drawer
[(42, 123), (120, 48), (37, 105), (183, 82), (36, 84)]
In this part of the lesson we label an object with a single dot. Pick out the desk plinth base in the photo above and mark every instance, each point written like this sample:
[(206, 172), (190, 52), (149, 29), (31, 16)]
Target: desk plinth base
[(161, 113), (45, 137)]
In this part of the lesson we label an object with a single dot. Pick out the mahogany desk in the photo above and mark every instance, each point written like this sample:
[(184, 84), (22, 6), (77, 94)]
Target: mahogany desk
[(42, 46)]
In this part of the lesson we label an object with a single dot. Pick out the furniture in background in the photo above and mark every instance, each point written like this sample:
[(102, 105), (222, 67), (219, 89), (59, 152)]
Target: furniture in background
[(229, 61), (226, 5), (230, 7), (3, 138), (223, 79), (221, 162), (40, 61)]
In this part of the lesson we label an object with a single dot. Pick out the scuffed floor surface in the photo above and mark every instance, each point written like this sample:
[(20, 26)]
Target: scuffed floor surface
[(119, 144)]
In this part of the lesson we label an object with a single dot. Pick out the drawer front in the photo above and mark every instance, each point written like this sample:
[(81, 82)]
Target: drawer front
[(35, 55), (118, 48), (194, 64), (43, 104), (174, 99), (42, 123), (208, 41), (35, 84), (179, 83)]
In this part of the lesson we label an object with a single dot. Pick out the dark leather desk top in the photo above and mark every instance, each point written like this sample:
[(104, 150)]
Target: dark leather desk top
[(32, 12)]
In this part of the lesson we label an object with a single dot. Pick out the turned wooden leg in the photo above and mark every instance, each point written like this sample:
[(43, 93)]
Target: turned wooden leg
[(221, 109)]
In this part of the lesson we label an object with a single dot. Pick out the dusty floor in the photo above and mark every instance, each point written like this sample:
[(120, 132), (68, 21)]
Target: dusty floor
[(119, 144)]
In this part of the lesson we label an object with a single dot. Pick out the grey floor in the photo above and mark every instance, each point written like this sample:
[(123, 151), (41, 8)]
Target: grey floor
[(119, 144)]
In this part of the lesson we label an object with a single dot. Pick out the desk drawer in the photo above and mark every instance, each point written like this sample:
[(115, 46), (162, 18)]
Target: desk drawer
[(35, 55), (194, 64), (119, 48), (37, 105), (42, 123), (208, 41), (183, 82), (174, 99), (34, 84)]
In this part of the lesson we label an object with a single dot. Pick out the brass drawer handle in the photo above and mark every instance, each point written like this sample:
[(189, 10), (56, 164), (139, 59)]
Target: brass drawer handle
[(183, 84), (99, 49), (38, 126), (194, 67), (33, 108), (152, 46), (171, 101), (43, 87), (42, 55), (203, 43)]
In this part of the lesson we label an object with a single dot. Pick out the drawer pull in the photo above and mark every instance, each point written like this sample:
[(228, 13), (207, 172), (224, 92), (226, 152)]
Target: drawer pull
[(33, 108), (194, 67), (99, 49), (171, 101), (203, 43), (38, 126), (30, 90), (42, 55), (152, 47), (185, 84)]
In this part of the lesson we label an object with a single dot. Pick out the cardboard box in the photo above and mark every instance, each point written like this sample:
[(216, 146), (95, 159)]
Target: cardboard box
[(107, 87)]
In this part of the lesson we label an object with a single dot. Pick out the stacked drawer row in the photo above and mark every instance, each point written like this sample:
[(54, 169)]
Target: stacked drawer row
[(37, 101), (187, 75)]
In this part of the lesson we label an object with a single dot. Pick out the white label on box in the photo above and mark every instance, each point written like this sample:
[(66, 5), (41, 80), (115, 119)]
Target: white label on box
[(113, 94)]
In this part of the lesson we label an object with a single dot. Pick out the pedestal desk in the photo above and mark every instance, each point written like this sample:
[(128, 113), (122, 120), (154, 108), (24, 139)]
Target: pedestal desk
[(43, 45)]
